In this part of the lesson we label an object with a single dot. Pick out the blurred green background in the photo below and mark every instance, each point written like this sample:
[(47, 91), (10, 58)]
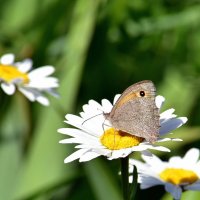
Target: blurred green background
[(99, 48)]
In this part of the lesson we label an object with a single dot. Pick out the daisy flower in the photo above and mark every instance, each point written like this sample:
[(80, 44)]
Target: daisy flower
[(95, 136), (31, 83), (177, 175)]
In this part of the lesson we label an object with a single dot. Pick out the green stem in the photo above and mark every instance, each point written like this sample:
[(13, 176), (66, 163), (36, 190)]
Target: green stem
[(125, 177)]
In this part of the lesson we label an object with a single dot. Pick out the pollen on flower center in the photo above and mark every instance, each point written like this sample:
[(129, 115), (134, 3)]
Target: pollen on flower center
[(114, 139), (10, 73), (178, 176)]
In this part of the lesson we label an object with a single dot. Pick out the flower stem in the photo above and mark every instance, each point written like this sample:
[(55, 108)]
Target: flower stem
[(125, 182)]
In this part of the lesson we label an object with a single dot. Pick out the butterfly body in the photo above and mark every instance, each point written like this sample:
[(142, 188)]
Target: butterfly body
[(135, 112)]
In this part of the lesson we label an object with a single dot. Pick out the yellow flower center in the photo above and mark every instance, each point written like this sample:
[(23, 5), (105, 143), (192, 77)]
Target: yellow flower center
[(113, 139), (178, 176), (10, 73)]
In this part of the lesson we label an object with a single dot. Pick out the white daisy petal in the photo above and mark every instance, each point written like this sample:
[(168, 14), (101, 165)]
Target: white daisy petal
[(43, 84), (194, 186), (78, 140), (176, 139), (84, 125), (8, 88), (120, 153), (160, 148), (106, 105), (94, 146), (71, 118), (52, 92), (43, 100), (146, 153), (41, 72), (149, 182), (140, 165), (25, 65), (27, 93), (69, 141), (94, 104), (86, 108), (172, 124), (191, 156), (140, 147), (75, 155), (70, 131), (116, 154), (116, 98), (88, 156), (34, 95), (159, 101), (7, 59), (82, 136), (175, 160), (153, 159), (175, 191), (164, 139), (169, 139), (168, 114), (103, 151), (91, 110)]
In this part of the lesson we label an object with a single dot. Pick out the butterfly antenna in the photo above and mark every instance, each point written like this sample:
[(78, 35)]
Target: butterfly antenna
[(91, 118), (104, 124)]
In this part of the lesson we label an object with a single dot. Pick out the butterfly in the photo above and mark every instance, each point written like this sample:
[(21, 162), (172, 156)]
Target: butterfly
[(136, 113)]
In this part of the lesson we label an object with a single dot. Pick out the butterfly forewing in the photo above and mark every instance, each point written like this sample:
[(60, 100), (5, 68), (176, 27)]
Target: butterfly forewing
[(136, 114)]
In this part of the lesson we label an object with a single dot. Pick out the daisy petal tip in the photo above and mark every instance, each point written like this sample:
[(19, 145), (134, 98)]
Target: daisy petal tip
[(116, 98), (43, 100), (159, 101), (66, 161), (49, 69), (177, 140), (9, 89), (162, 148), (68, 116), (7, 58), (61, 130), (160, 98), (61, 142), (184, 119), (91, 101)]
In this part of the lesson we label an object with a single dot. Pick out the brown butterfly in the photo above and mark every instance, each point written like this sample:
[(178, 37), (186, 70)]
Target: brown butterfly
[(135, 112)]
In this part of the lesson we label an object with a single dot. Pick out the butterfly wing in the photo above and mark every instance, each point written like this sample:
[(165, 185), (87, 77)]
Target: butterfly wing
[(137, 114)]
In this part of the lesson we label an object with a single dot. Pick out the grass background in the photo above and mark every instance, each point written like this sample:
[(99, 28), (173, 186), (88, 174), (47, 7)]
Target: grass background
[(98, 48)]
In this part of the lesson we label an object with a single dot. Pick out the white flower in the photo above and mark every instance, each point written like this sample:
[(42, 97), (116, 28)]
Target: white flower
[(177, 175), (31, 83), (96, 137)]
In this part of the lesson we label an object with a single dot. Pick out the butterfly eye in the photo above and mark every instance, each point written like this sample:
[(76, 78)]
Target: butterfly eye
[(142, 93)]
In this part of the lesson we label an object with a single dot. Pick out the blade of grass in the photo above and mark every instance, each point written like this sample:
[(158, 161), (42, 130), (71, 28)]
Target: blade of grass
[(188, 17)]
